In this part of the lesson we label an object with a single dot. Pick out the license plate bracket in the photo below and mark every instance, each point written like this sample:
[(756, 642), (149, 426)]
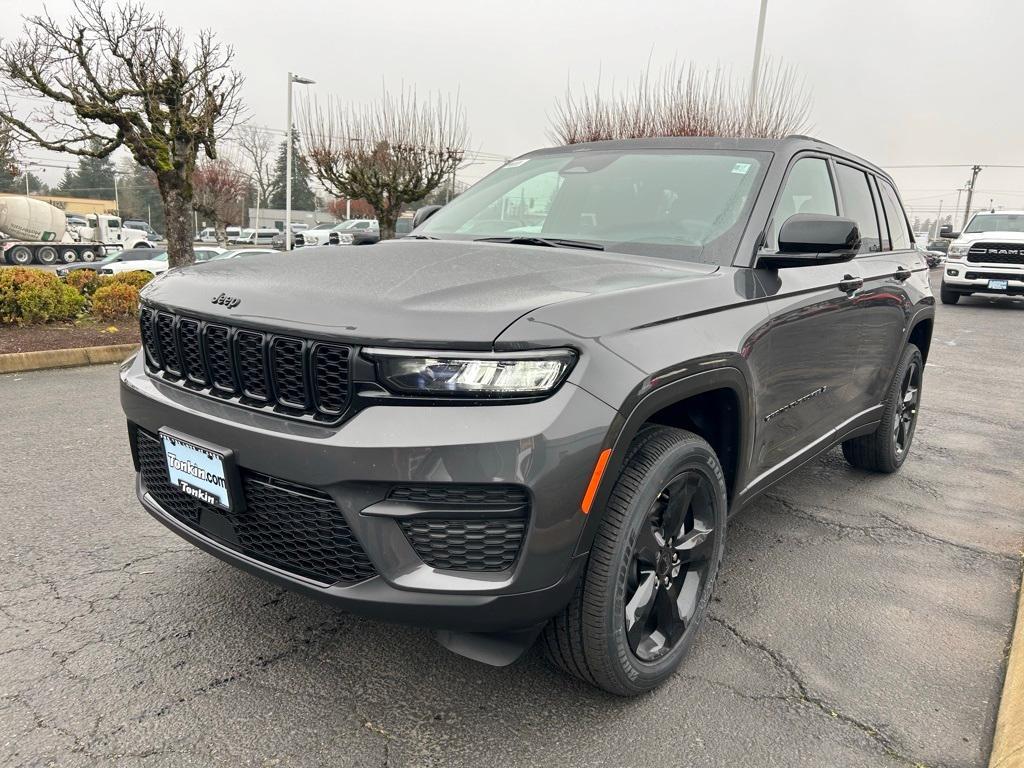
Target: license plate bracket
[(204, 471)]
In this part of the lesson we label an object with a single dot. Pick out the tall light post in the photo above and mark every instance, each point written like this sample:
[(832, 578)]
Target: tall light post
[(292, 78), (755, 73)]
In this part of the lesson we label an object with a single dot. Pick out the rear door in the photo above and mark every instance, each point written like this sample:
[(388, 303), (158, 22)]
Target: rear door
[(814, 341), (886, 262)]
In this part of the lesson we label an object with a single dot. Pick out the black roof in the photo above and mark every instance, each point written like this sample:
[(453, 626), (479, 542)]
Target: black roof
[(785, 146)]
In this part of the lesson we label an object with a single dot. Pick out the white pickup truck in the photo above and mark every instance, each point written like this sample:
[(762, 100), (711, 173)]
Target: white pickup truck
[(987, 257)]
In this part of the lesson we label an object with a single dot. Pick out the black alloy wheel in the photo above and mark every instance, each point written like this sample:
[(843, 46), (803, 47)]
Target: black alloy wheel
[(652, 566), (906, 408), (670, 566)]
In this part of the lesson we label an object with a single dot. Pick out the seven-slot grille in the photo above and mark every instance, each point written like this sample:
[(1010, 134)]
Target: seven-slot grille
[(295, 376), (996, 253), (298, 529)]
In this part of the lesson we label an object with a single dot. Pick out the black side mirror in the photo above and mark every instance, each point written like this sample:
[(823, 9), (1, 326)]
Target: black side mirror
[(946, 231), (423, 214), (806, 239)]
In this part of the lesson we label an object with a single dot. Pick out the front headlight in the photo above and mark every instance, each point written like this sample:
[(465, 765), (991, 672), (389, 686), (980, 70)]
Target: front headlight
[(490, 374), (345, 239), (958, 251)]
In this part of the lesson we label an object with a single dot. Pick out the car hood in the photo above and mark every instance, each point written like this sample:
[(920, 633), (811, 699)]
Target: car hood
[(405, 291)]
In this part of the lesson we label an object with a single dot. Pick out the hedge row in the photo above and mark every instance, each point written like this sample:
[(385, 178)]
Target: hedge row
[(33, 296)]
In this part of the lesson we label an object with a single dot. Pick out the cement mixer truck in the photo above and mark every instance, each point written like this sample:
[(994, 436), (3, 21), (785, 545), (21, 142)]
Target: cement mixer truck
[(33, 230)]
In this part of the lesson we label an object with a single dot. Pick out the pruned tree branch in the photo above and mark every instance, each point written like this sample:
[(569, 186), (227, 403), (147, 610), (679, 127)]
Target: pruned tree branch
[(389, 153), (686, 101)]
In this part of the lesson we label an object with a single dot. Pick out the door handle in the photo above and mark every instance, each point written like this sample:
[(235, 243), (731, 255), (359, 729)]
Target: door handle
[(902, 273), (849, 283)]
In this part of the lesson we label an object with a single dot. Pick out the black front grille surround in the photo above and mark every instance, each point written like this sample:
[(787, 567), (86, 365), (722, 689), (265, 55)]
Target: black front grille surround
[(298, 529), (291, 376), (996, 253)]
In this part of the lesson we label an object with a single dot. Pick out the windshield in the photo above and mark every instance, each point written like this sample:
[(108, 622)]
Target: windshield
[(996, 222), (683, 204), (325, 225)]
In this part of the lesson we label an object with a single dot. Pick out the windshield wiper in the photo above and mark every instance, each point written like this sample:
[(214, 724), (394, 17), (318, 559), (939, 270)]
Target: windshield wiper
[(550, 242), (421, 237)]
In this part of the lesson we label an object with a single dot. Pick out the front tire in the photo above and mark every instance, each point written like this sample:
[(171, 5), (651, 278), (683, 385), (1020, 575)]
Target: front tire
[(652, 567), (885, 449), (947, 296)]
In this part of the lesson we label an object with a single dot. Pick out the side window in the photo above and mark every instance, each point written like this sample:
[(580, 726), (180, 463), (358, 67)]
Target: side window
[(859, 205), (898, 232), (808, 190)]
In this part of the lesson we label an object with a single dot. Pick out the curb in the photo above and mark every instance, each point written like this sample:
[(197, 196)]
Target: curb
[(1008, 744), (18, 362)]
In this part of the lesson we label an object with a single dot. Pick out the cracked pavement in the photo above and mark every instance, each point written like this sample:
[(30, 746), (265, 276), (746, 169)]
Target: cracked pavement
[(860, 620)]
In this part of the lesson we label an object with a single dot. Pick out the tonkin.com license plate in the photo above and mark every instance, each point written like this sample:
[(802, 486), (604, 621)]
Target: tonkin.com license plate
[(197, 471), (998, 285)]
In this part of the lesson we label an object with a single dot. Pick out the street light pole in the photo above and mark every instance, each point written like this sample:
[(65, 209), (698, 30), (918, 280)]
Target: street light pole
[(755, 73), (292, 78)]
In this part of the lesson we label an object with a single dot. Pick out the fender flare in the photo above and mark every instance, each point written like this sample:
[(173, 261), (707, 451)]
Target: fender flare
[(625, 427)]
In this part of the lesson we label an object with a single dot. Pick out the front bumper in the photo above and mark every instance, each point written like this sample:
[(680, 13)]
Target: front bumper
[(548, 448), (968, 277)]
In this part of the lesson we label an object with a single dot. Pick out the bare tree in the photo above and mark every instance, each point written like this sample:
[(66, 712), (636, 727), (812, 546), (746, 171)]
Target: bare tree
[(389, 153), (257, 147), (686, 101), (219, 187), (109, 77)]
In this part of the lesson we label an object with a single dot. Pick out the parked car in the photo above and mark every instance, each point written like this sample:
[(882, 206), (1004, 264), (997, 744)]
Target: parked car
[(209, 235), (157, 263), (940, 245), (987, 257), (240, 252), (143, 226), (318, 235), (502, 433), (359, 232), (117, 257), (933, 258), (254, 237)]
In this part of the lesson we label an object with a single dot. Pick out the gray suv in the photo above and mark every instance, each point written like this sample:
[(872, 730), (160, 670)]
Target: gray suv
[(534, 415)]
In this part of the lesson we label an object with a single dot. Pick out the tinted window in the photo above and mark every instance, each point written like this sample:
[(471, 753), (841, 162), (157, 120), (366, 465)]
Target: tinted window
[(808, 190), (859, 206), (898, 232)]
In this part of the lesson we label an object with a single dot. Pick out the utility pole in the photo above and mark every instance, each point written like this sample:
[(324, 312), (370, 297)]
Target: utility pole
[(755, 73), (117, 199), (956, 210), (975, 170), (938, 222)]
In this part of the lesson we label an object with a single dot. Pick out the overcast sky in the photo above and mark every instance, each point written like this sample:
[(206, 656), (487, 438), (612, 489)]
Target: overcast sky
[(896, 81)]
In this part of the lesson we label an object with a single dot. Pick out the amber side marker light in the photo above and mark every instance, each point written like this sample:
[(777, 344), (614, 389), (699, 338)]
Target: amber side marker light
[(595, 480)]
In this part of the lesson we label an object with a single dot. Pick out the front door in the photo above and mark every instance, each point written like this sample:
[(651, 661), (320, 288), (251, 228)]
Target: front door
[(813, 340)]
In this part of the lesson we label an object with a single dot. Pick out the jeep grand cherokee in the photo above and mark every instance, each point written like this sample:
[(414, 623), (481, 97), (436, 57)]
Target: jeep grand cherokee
[(534, 415)]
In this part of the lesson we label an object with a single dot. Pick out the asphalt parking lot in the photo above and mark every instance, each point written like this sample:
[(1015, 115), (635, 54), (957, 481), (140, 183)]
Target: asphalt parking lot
[(860, 620)]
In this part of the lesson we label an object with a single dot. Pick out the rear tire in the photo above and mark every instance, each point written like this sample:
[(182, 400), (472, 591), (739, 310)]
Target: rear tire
[(20, 256), (87, 255), (947, 296), (69, 256), (885, 449), (46, 255), (652, 567)]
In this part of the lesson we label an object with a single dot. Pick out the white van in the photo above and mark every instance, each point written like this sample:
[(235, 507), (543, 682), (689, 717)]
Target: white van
[(254, 237)]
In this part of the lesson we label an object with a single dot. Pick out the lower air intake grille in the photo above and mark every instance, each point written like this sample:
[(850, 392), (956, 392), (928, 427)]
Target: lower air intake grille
[(291, 527), (466, 544)]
